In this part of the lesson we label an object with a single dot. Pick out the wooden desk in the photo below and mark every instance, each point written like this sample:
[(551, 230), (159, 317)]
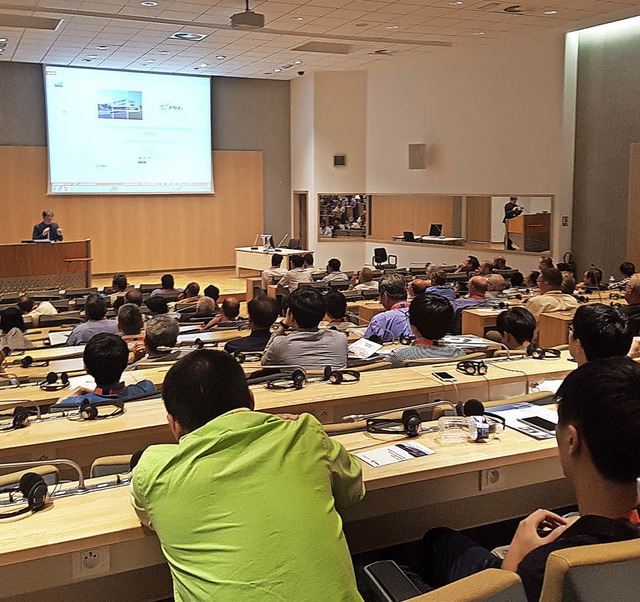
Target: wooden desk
[(478, 321), (367, 310), (553, 328), (256, 259)]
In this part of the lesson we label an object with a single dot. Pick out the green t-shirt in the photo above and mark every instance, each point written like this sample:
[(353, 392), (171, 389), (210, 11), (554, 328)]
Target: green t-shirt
[(246, 509)]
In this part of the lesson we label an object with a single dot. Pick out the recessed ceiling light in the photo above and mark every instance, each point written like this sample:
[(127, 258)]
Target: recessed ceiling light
[(203, 65), (277, 70), (550, 12), (150, 61), (92, 56), (102, 47), (297, 62), (221, 57), (297, 18), (456, 3), (86, 60), (1, 49), (148, 3), (163, 52), (3, 40), (392, 27), (479, 33), (190, 37)]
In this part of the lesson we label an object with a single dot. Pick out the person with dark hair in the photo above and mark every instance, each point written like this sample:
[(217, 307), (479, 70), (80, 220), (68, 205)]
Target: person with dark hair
[(500, 263), (105, 358), (516, 326), (133, 295), (592, 280), (213, 292), (333, 272), (418, 286), (470, 264), (228, 317), (336, 311), (545, 263), (130, 324), (599, 450), (531, 281), (263, 312), (598, 331), (394, 321), (632, 309), (627, 269), (12, 329), (33, 310), (440, 287), (96, 311), (47, 229), (189, 298), (568, 283), (240, 485), (485, 269), (431, 317), (511, 211), (296, 275), (298, 340), (274, 272), (551, 297), (477, 297), (309, 264), (119, 285), (168, 287)]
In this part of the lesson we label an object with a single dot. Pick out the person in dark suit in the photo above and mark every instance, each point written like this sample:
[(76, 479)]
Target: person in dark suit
[(263, 312), (511, 210), (47, 229)]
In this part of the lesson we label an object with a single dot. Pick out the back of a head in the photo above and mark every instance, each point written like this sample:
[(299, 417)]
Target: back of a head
[(334, 264), (133, 296), (95, 308), (518, 322), (307, 306), (432, 315), (308, 258), (594, 277), (602, 331), (204, 385), (474, 262), (297, 261), (336, 305), (106, 357), (478, 285), (130, 319), (213, 292), (276, 260), (517, 279), (394, 286), (205, 306), (157, 304), (25, 304), (568, 283), (628, 269), (418, 286), (231, 308), (439, 278), (601, 399), (366, 275), (119, 282), (499, 262), (263, 311), (191, 290), (167, 281), (161, 331), (552, 277), (11, 318), (496, 283), (546, 262)]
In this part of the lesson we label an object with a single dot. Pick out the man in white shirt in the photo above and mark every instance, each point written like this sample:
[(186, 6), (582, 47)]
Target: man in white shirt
[(308, 264), (33, 310), (333, 272), (275, 271), (364, 281), (296, 275)]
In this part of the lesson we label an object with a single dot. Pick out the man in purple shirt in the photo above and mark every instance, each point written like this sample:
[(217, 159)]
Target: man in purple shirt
[(394, 322), (96, 323)]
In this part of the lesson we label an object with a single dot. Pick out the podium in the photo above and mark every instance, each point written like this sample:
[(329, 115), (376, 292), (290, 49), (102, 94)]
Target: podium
[(531, 232), (39, 266)]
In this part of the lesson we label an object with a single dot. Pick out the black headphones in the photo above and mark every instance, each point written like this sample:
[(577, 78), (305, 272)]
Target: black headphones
[(33, 489), (540, 353), (296, 380), (502, 305), (244, 356), (517, 296), (408, 425), (615, 296), (407, 339), (582, 299), (28, 361), (19, 419), (90, 411), (472, 367), (50, 383), (338, 377)]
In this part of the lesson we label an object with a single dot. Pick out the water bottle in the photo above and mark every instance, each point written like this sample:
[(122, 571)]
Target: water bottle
[(458, 429)]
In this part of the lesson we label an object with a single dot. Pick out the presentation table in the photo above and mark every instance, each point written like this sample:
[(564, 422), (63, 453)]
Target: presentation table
[(256, 258), (42, 265), (438, 240)]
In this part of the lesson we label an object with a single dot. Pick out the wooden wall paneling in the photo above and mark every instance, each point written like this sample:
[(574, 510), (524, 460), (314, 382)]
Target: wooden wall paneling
[(479, 218), (141, 233), (633, 205), (392, 214)]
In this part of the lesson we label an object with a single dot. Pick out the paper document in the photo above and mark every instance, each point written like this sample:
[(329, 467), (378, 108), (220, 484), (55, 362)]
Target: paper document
[(205, 337), (391, 454), (363, 348), (468, 341), (59, 338), (512, 414), (551, 386)]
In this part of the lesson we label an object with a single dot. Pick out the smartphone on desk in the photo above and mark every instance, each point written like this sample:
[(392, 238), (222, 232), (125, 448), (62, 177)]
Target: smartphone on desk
[(445, 377), (540, 423)]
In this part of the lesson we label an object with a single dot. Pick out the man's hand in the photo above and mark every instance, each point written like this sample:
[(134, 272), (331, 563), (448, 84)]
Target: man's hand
[(139, 351), (527, 539), (287, 416), (59, 231), (45, 232)]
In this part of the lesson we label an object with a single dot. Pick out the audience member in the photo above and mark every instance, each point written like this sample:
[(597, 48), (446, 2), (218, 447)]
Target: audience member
[(190, 296), (394, 321), (33, 310), (531, 280), (364, 281), (275, 271), (440, 287), (206, 306), (599, 450), (298, 340), (228, 317), (97, 323), (545, 263), (168, 287), (516, 326), (308, 264), (12, 330), (592, 279), (105, 358), (477, 298), (496, 285), (337, 311), (431, 317), (627, 269), (133, 295), (417, 287), (160, 338), (551, 297), (632, 310), (119, 287), (213, 292), (568, 286), (159, 305), (516, 281), (263, 312), (470, 264), (279, 484), (130, 324), (484, 269), (598, 331), (500, 263), (333, 272), (296, 275)]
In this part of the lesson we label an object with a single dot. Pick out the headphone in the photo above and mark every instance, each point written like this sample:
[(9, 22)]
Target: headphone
[(407, 339), (296, 380), (472, 367), (27, 361), (338, 377), (90, 411), (408, 425), (502, 305), (50, 383), (244, 356), (517, 296), (614, 304), (33, 489), (582, 299), (615, 296), (19, 419), (540, 353)]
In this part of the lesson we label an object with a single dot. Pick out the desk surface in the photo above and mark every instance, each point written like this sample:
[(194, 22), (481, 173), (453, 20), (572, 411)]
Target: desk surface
[(281, 251)]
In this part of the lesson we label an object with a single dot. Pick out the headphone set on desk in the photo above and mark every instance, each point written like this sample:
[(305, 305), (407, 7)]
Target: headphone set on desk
[(50, 383), (298, 378), (406, 339), (91, 411), (615, 296), (408, 425), (18, 419), (502, 305), (472, 367), (28, 362), (33, 489), (540, 353), (517, 296), (583, 299), (247, 356)]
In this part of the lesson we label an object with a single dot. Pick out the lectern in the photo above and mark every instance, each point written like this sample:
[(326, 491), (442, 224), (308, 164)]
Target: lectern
[(531, 232)]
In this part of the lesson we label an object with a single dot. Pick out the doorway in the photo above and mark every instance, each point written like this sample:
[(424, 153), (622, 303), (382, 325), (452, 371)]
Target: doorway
[(299, 229)]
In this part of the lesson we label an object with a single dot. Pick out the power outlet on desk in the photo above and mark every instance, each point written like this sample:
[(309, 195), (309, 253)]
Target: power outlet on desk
[(91, 563), (491, 479)]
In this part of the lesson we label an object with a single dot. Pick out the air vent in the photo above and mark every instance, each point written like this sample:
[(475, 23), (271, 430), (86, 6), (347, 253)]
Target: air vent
[(7, 20), (327, 47), (489, 6)]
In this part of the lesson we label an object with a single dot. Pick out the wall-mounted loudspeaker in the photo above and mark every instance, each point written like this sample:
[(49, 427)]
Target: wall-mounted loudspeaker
[(417, 156), (339, 160)]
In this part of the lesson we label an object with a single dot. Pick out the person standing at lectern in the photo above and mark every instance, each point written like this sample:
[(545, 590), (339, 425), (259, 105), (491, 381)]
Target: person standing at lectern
[(511, 210), (47, 229)]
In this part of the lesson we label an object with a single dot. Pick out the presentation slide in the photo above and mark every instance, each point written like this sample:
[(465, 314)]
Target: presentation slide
[(115, 132)]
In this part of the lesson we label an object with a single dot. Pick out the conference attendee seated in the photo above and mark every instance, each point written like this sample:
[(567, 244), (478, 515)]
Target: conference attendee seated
[(599, 450), (517, 284), (97, 323), (228, 317), (308, 264), (263, 312), (158, 305), (627, 269), (324, 230), (33, 310), (430, 317), (485, 269), (531, 281), (516, 326), (477, 297), (598, 331), (352, 224), (568, 283), (545, 263), (12, 329), (336, 316), (47, 229), (418, 286), (500, 263), (470, 264), (364, 281), (105, 358), (551, 297), (296, 275), (592, 280), (130, 324), (160, 338), (168, 287), (298, 340), (275, 271), (496, 285), (394, 321), (632, 310), (246, 503), (333, 272), (440, 287), (133, 295), (119, 285), (189, 297)]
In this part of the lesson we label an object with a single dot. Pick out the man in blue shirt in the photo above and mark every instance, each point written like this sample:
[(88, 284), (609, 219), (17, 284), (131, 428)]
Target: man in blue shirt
[(440, 287), (105, 358), (394, 322)]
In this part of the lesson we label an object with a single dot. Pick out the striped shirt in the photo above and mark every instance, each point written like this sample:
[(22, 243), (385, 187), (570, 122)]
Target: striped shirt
[(422, 352)]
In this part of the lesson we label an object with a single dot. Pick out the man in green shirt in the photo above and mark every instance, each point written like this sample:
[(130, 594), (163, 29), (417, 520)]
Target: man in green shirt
[(245, 504)]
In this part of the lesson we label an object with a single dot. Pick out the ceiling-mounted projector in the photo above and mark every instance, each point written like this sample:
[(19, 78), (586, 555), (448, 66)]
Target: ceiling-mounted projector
[(248, 19)]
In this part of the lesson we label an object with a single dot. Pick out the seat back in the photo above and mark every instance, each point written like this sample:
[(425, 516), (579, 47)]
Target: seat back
[(72, 293), (110, 465), (294, 243), (72, 317), (379, 255), (409, 237), (591, 573), (148, 288)]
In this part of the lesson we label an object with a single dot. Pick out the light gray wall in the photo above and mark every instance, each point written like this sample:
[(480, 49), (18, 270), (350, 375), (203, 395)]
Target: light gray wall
[(607, 122), (247, 114)]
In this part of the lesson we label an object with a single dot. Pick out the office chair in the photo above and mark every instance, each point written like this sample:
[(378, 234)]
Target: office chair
[(294, 243), (381, 260), (408, 236)]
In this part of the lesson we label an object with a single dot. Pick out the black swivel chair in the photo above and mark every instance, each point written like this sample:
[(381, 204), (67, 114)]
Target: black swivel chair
[(294, 243), (382, 261), (409, 237)]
